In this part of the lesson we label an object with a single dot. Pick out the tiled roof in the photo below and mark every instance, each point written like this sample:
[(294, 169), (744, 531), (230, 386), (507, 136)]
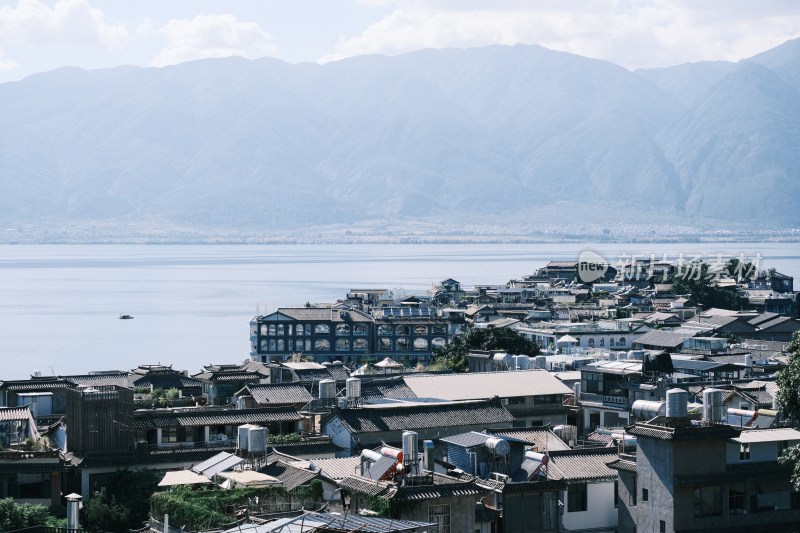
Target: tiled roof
[(312, 448), (158, 418), (542, 438), (37, 384), (386, 388), (15, 413), (433, 492), (120, 379), (167, 381), (361, 485), (697, 364), (339, 468), (396, 418), (279, 394), (622, 464), (164, 455), (580, 465), (768, 435), (481, 385), (663, 339), (290, 476), (683, 433)]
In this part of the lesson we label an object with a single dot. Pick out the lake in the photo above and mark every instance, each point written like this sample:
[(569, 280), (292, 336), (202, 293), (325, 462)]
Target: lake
[(59, 304)]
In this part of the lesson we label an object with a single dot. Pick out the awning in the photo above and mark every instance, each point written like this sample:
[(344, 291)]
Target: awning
[(567, 339), (182, 477), (250, 479)]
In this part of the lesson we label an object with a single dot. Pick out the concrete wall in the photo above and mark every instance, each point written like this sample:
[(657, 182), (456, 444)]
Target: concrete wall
[(462, 512), (600, 511)]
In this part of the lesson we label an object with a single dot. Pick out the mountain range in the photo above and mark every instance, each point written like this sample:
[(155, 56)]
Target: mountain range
[(495, 133)]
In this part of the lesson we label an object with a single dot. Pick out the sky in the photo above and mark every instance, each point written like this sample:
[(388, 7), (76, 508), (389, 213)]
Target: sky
[(42, 35)]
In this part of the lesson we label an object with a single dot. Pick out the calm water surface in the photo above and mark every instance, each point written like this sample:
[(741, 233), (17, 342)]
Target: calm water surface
[(192, 304)]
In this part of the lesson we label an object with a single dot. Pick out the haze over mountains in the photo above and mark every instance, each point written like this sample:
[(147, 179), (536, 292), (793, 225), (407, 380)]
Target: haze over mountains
[(496, 133)]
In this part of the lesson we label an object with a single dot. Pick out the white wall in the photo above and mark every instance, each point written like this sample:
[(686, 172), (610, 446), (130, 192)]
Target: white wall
[(600, 511)]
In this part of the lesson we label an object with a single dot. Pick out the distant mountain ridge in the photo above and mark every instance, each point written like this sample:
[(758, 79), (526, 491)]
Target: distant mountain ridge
[(437, 134)]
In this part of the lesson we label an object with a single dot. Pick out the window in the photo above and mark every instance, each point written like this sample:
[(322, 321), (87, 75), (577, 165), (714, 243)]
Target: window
[(662, 526), (632, 493), (440, 516), (384, 329), (439, 329), (281, 330), (736, 501), (420, 345), (288, 329), (299, 329), (322, 345), (611, 343), (576, 497), (280, 346), (402, 344), (342, 345), (707, 501), (616, 494), (744, 451), (271, 330), (264, 329), (360, 329), (420, 330), (645, 495), (438, 342), (169, 435), (591, 343), (402, 330), (602, 342), (360, 344), (385, 344), (322, 329), (271, 345), (621, 341), (342, 329), (308, 345), (290, 345)]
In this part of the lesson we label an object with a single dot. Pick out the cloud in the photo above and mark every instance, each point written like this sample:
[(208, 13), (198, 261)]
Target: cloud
[(7, 64), (207, 36), (633, 34), (72, 22)]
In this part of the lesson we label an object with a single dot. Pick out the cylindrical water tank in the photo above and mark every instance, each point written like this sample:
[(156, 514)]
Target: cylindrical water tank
[(523, 362), (392, 452), (677, 403), (636, 354), (371, 455), (241, 436), (647, 409), (428, 455), (612, 355), (327, 389), (497, 446), (748, 360), (576, 388), (353, 387), (712, 405), (536, 456), (502, 360), (540, 361), (257, 440), (411, 445)]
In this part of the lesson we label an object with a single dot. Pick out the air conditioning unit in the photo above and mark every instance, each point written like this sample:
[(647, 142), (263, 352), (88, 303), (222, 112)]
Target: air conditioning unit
[(503, 401)]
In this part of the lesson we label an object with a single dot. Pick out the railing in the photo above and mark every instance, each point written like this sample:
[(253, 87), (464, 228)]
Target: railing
[(47, 529)]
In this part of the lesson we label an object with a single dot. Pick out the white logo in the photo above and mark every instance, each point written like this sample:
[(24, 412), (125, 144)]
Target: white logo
[(591, 266)]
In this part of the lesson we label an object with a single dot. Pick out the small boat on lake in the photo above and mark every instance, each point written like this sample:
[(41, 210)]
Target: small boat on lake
[(125, 317)]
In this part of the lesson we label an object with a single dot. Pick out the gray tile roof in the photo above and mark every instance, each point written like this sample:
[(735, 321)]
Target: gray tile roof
[(291, 476), (768, 435), (482, 385), (339, 468), (622, 464), (580, 465), (279, 394), (158, 418), (385, 388), (663, 339), (367, 487), (120, 379), (542, 438), (37, 384), (396, 418), (15, 413)]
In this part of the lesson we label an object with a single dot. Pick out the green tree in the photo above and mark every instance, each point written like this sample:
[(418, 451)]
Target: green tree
[(123, 502), (105, 513), (453, 356), (21, 515), (788, 381), (701, 285)]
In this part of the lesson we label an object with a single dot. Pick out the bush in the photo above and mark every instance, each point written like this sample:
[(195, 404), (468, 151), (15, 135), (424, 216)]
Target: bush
[(21, 515)]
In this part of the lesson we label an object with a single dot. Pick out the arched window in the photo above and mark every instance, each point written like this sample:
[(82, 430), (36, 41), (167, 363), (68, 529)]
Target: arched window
[(420, 345), (402, 330), (264, 329), (384, 329), (290, 345), (299, 329), (342, 329), (281, 346), (420, 330), (322, 329), (439, 329), (272, 345), (280, 330), (308, 345), (342, 345), (602, 342), (385, 344), (272, 330), (402, 344), (611, 342), (360, 329), (591, 343), (438, 342), (621, 341), (359, 344), (322, 345)]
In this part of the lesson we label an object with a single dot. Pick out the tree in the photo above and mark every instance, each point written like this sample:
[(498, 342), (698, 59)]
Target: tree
[(788, 381), (702, 288), (123, 502), (22, 515), (453, 356)]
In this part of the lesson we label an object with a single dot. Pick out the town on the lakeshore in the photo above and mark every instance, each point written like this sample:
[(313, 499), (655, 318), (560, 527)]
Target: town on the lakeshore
[(586, 396)]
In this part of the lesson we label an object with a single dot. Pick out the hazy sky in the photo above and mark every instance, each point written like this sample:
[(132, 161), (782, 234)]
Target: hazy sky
[(39, 35)]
